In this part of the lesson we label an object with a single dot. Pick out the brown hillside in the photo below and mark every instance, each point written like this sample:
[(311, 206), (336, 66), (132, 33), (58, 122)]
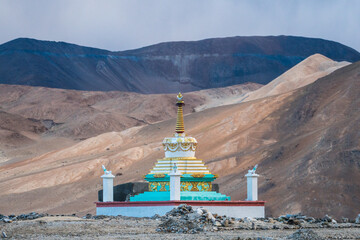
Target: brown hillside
[(306, 143), (302, 74), (69, 115)]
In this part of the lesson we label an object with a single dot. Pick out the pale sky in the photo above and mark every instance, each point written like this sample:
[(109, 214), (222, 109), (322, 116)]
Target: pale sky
[(126, 24)]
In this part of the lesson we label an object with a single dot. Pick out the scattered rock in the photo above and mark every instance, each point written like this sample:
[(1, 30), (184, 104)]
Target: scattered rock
[(225, 223), (253, 226), (30, 216), (7, 220), (182, 209), (87, 216), (199, 211), (193, 216), (217, 224), (275, 227), (293, 222), (179, 225), (327, 218), (310, 220), (304, 234), (357, 220), (156, 216), (185, 219), (248, 220), (209, 216), (98, 216)]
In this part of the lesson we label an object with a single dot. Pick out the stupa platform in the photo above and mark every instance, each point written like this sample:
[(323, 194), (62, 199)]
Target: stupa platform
[(237, 209), (184, 196)]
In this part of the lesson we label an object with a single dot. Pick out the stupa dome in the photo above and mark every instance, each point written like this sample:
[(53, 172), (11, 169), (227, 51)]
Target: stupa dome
[(180, 149), (179, 146)]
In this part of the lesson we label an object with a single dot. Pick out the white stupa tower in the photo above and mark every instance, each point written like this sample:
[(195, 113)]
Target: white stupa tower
[(180, 151)]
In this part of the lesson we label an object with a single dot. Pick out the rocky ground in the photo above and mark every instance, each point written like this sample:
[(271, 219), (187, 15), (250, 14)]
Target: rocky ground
[(180, 223)]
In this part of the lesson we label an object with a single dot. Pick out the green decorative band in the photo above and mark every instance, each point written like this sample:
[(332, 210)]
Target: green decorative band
[(196, 186), (159, 186), (185, 186)]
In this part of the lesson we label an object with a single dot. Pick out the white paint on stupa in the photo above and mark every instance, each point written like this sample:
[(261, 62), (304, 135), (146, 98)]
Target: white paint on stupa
[(175, 184), (108, 185), (180, 150), (252, 185)]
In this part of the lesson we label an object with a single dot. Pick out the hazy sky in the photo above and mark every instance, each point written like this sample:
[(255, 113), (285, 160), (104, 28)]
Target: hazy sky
[(121, 25)]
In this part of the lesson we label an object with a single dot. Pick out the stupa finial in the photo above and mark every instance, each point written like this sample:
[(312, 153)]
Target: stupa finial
[(180, 118)]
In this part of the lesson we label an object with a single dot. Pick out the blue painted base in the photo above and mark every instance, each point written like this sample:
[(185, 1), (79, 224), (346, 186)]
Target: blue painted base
[(184, 196)]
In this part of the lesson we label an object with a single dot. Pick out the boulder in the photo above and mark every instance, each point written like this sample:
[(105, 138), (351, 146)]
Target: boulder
[(7, 220), (357, 220), (327, 218)]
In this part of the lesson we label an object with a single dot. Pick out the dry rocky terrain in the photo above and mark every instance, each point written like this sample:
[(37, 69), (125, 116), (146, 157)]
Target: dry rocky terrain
[(180, 223)]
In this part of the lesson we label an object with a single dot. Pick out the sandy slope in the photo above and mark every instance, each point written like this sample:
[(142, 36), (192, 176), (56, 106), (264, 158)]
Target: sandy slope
[(308, 71), (33, 118), (302, 74)]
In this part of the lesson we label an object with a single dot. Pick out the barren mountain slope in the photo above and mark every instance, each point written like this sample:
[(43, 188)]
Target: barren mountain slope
[(302, 74), (306, 143), (74, 115), (16, 130), (162, 68)]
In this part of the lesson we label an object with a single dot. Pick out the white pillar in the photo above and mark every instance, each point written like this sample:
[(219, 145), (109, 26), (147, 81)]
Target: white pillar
[(108, 186), (252, 185), (175, 184)]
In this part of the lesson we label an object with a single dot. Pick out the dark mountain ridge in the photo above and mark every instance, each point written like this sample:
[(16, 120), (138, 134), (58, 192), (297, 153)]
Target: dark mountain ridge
[(162, 68)]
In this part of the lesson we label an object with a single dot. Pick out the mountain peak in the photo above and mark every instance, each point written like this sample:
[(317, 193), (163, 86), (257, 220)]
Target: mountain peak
[(163, 68)]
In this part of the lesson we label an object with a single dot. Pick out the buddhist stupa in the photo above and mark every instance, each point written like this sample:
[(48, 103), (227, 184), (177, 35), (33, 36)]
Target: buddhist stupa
[(180, 178), (180, 152)]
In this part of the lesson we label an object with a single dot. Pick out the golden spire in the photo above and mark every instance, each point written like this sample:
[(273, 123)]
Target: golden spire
[(180, 118)]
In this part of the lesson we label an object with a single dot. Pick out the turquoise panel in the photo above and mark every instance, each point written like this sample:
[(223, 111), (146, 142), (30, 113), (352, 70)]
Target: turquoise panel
[(184, 196)]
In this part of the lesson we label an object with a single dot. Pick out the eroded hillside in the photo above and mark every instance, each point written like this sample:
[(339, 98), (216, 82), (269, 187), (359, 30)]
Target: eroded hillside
[(306, 143)]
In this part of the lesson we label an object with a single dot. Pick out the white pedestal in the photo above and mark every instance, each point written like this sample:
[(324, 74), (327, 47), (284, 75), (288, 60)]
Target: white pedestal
[(108, 187), (252, 186), (175, 186)]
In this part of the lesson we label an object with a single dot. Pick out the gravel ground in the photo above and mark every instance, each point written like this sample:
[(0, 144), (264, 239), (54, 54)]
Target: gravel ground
[(142, 228)]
